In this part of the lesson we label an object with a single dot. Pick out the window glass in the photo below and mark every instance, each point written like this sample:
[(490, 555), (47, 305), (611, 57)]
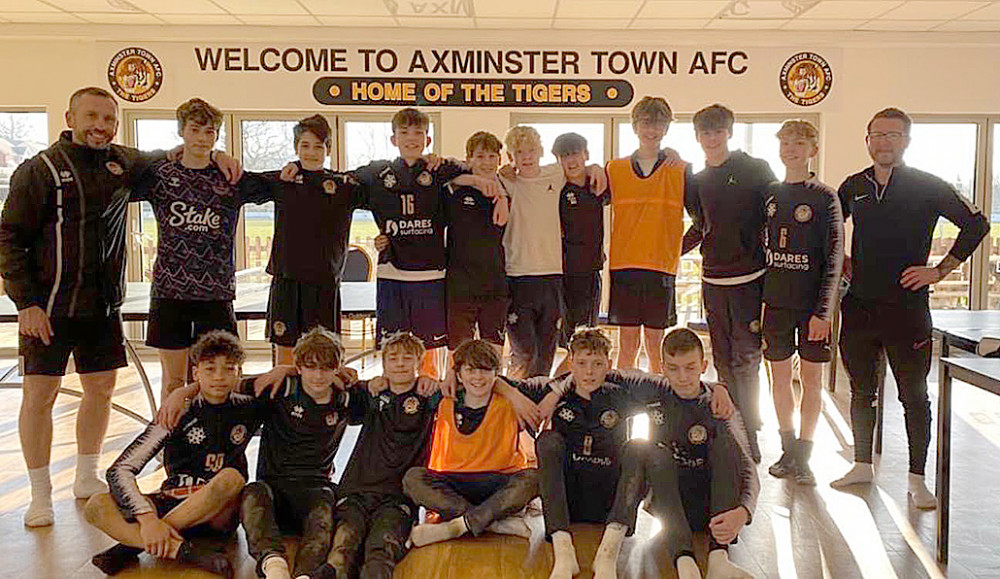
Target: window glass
[(22, 136), (947, 150), (592, 131)]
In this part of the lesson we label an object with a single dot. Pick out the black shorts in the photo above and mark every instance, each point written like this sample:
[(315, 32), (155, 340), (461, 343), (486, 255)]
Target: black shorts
[(294, 308), (641, 297), (413, 306), (786, 331), (97, 344), (582, 294), (164, 503), (177, 324), (465, 314), (294, 500)]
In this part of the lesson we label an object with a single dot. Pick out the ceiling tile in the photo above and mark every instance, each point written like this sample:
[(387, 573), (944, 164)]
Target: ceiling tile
[(746, 23), (669, 23), (824, 24), (514, 9), (199, 19), (927, 10), (847, 9), (262, 6), (346, 7), (911, 25), (25, 6), (762, 9), (591, 23), (991, 12), (436, 22), (970, 26), (89, 6), (177, 6), (598, 9), (42, 17), (681, 9), (514, 23), (119, 18), (361, 21), (279, 19)]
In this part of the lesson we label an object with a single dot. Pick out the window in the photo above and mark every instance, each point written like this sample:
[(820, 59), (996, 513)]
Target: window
[(22, 136), (947, 150), (993, 274), (593, 131)]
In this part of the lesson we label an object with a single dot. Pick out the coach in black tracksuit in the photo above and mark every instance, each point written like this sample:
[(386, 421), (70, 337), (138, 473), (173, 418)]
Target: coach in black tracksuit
[(895, 209)]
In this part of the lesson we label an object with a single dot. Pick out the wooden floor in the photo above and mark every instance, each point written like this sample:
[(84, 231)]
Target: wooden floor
[(797, 531)]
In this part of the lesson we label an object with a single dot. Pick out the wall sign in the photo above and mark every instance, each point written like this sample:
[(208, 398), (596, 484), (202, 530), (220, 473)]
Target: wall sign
[(135, 74), (806, 79)]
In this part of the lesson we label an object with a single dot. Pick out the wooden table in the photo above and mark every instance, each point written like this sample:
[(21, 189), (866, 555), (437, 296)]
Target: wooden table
[(983, 373), (356, 299)]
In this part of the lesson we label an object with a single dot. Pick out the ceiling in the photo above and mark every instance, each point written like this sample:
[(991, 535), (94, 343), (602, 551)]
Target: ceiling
[(799, 15)]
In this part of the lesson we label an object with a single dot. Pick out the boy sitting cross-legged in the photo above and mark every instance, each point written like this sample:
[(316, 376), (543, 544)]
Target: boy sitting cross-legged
[(376, 516), (205, 464), (477, 475), (698, 468), (579, 457), (301, 434)]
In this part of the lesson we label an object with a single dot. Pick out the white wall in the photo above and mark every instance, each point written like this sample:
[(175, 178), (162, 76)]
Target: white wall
[(923, 73)]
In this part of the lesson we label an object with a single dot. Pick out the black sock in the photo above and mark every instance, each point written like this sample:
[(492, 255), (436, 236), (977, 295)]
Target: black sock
[(216, 563), (114, 560), (787, 441)]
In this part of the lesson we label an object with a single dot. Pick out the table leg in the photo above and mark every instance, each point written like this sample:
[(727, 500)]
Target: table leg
[(130, 350), (943, 480)]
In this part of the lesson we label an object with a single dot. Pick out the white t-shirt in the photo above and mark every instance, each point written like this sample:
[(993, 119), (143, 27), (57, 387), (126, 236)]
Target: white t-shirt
[(533, 239)]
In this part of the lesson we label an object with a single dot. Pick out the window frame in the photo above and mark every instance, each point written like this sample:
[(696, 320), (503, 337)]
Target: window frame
[(373, 117)]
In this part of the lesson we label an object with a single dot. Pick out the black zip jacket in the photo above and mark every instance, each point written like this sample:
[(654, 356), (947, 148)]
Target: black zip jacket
[(62, 232), (894, 225)]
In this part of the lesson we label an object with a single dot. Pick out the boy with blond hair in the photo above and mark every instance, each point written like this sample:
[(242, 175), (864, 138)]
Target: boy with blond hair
[(477, 475), (205, 463), (533, 252), (804, 245), (647, 213)]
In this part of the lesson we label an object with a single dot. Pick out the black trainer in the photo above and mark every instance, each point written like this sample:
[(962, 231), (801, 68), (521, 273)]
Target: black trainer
[(212, 562), (114, 560)]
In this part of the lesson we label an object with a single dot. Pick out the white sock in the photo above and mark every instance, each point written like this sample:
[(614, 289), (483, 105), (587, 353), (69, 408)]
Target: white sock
[(687, 568), (276, 567), (87, 483), (861, 472), (428, 533), (510, 526), (720, 567), (919, 494), (566, 565), (606, 559), (39, 513)]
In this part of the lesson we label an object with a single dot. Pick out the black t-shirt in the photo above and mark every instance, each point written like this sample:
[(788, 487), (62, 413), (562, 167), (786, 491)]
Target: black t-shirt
[(301, 437), (894, 225), (468, 419), (475, 245), (726, 205), (207, 439), (395, 435), (804, 245), (312, 225), (408, 204), (581, 214)]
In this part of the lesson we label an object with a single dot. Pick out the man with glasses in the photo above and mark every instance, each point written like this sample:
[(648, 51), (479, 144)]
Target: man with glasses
[(894, 210)]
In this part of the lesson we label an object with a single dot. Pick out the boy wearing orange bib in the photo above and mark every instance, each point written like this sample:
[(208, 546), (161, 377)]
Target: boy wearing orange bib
[(477, 475)]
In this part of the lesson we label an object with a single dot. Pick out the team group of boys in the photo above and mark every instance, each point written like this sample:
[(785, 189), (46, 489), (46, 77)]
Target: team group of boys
[(471, 249)]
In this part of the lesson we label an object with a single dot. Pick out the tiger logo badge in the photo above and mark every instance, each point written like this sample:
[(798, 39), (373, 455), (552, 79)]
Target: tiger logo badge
[(238, 434), (609, 419), (805, 79), (279, 328), (329, 186), (424, 179), (135, 74), (330, 419), (114, 168), (411, 405), (803, 213), (698, 434)]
